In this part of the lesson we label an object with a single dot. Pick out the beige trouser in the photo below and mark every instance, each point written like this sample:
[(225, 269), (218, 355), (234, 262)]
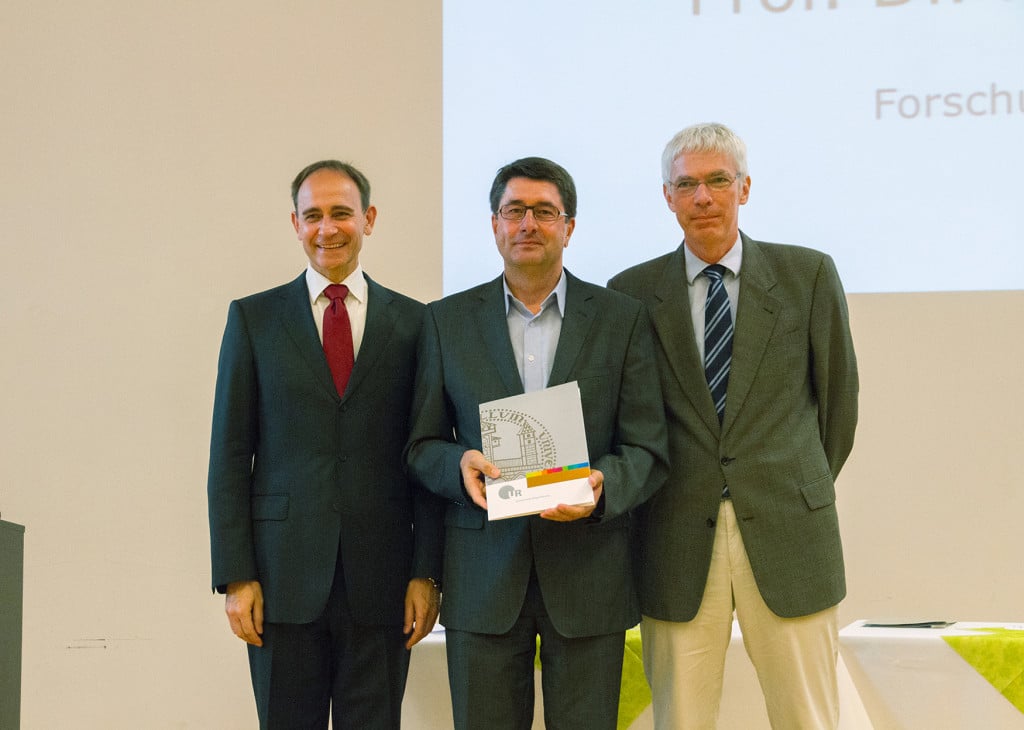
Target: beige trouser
[(795, 658)]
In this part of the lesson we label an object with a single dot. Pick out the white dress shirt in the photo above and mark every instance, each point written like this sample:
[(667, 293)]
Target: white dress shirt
[(355, 302)]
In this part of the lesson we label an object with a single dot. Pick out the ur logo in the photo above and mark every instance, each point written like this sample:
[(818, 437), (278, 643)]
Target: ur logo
[(507, 491)]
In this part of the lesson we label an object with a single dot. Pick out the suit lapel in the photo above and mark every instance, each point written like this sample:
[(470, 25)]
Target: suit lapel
[(756, 314), (576, 322), (673, 323), (297, 320), (492, 326), (380, 323)]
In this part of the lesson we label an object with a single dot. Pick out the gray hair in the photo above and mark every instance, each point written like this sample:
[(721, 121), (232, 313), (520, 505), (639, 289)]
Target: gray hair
[(705, 137)]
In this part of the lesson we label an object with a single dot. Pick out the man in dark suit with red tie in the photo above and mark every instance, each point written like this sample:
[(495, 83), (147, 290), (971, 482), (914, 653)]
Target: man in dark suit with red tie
[(326, 552)]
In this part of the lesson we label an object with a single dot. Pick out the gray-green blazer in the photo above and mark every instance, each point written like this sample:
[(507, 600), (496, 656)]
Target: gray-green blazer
[(791, 411)]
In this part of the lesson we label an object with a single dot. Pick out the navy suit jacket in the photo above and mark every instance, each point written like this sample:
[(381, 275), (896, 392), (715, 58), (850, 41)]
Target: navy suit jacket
[(297, 471), (583, 567), (790, 416)]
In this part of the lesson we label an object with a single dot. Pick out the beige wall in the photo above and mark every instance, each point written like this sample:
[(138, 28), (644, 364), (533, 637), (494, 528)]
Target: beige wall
[(146, 154)]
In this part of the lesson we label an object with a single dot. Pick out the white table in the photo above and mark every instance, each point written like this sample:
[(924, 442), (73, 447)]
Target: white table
[(910, 679)]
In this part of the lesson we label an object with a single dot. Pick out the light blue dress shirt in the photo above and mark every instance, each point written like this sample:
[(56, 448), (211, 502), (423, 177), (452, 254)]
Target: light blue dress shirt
[(535, 336)]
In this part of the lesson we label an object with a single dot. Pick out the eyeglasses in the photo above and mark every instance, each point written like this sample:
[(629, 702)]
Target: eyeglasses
[(541, 213), (687, 186)]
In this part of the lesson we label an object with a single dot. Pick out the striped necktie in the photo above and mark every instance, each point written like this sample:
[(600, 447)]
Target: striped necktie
[(717, 337)]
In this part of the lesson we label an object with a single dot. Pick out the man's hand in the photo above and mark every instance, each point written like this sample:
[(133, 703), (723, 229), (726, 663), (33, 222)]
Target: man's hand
[(422, 604), (244, 607), (474, 468), (572, 512)]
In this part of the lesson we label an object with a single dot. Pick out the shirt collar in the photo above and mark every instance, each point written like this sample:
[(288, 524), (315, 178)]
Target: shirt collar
[(558, 293), (317, 282), (732, 260)]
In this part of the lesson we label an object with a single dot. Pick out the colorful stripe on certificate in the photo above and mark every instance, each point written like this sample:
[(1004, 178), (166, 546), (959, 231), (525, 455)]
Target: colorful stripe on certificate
[(557, 474)]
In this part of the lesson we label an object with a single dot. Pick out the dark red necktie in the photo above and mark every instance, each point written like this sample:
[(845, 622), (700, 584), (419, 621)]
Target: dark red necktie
[(338, 336)]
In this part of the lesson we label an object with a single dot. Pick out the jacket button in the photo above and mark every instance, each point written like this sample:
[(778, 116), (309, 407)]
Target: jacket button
[(711, 522), (726, 460)]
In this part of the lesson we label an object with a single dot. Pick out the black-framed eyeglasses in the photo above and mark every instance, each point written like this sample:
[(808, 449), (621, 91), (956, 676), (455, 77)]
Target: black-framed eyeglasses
[(541, 213), (687, 186)]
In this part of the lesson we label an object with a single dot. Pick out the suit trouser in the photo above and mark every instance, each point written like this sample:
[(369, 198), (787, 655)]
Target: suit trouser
[(795, 658), (492, 676), (333, 666)]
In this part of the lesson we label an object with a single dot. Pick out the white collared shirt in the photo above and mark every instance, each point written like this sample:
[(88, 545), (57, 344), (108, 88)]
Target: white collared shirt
[(698, 286), (355, 302)]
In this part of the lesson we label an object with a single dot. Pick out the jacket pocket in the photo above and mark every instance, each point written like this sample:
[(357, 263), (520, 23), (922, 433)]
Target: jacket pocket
[(820, 493)]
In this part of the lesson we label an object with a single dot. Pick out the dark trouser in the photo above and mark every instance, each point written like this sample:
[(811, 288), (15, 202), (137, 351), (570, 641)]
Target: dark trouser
[(492, 676), (303, 672)]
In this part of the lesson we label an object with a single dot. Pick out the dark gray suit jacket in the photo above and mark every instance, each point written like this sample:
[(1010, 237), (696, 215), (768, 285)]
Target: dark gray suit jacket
[(296, 470), (583, 567), (791, 411)]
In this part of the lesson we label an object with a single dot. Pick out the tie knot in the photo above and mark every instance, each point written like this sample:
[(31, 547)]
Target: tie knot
[(334, 292), (715, 272)]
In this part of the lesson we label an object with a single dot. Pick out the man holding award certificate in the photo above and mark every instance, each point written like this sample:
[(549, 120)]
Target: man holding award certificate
[(562, 574)]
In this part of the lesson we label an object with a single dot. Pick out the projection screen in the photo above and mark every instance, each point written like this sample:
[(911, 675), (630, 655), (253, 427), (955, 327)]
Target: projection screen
[(885, 132)]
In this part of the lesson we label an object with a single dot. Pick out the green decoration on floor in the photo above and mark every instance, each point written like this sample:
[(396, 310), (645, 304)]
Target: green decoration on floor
[(635, 695)]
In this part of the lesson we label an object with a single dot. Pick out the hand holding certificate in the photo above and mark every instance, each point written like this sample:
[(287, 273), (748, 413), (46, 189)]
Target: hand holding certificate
[(539, 443)]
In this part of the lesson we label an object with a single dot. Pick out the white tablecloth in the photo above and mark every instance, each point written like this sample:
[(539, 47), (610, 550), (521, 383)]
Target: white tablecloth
[(910, 679)]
